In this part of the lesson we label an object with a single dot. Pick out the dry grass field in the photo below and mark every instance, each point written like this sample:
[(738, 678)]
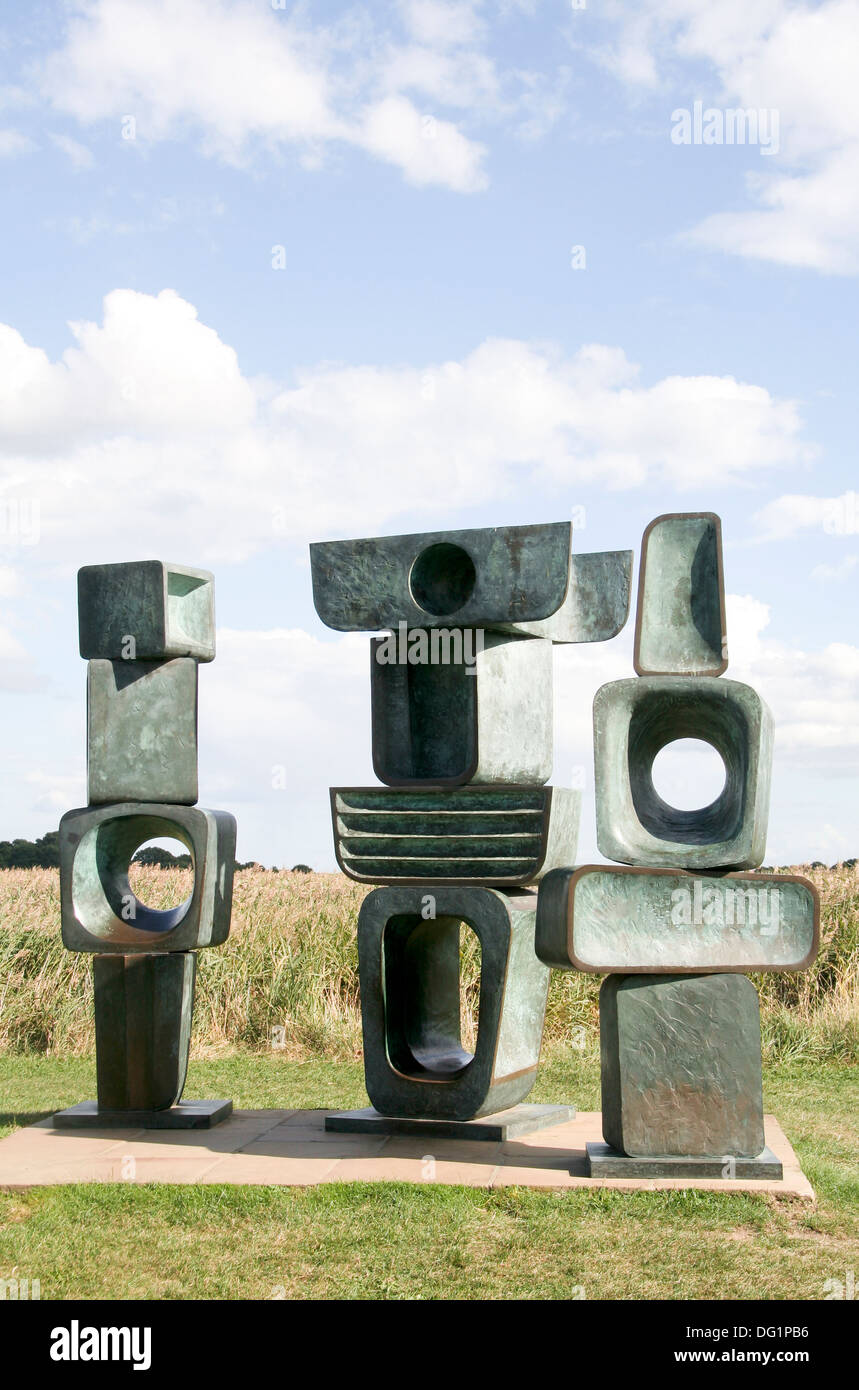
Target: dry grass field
[(291, 960)]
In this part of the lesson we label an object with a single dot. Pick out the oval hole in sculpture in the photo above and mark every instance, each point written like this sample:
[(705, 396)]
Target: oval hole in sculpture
[(156, 882), (469, 986), (688, 774), (431, 971)]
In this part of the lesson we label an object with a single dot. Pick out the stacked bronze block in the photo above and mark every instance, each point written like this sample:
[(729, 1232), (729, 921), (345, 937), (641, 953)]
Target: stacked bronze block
[(464, 824), (144, 627), (679, 1021)]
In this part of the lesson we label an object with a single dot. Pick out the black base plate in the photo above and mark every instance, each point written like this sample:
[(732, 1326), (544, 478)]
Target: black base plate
[(506, 1124), (605, 1162), (188, 1114)]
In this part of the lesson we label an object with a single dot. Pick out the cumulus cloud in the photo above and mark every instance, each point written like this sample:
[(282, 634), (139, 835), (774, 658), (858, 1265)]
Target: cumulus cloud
[(243, 79), (273, 745), (814, 695), (796, 511), (13, 143), (147, 420), (78, 155), (19, 671), (835, 573), (792, 57)]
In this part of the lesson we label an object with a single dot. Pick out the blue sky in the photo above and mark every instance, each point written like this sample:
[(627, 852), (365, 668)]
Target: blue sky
[(427, 356)]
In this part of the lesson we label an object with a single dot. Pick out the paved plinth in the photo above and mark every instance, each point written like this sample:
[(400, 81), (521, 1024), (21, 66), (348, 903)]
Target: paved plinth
[(292, 1148)]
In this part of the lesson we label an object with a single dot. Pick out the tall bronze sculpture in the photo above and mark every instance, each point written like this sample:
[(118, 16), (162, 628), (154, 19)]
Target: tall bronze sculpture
[(679, 1020), (144, 627), (461, 692)]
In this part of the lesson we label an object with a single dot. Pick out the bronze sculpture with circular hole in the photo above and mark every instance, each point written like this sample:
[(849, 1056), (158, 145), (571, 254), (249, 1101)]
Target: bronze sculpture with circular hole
[(462, 737), (144, 627), (679, 1023)]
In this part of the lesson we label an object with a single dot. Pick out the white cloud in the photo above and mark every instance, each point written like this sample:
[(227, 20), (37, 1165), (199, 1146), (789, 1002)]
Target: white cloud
[(55, 793), (796, 58), (747, 617), (244, 78), (18, 668), (835, 573), (150, 368), (148, 420), (785, 516), (272, 746), (814, 695), (8, 581), (443, 23), (79, 156), (427, 150), (14, 143)]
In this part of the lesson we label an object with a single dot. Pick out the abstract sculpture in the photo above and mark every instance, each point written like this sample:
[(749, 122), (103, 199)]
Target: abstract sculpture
[(462, 737), (679, 1024), (143, 629)]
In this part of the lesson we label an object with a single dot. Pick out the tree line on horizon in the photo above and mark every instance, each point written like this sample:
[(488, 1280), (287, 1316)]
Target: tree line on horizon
[(44, 853)]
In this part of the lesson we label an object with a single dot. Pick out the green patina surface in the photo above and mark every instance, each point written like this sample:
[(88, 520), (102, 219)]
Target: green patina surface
[(414, 1060), (473, 578), (597, 602), (681, 1065), (142, 731), (167, 610), (680, 627), (500, 835), (633, 720), (603, 919), (484, 721), (143, 1007), (100, 912)]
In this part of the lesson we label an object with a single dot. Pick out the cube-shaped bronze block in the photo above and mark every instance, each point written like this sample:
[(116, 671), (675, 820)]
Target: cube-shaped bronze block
[(635, 719), (100, 912), (681, 1066), (146, 610), (142, 731), (477, 710)]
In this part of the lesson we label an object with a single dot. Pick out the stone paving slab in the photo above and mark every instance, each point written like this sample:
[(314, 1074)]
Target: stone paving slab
[(292, 1148)]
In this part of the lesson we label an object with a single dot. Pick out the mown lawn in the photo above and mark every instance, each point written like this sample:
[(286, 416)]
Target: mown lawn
[(403, 1241)]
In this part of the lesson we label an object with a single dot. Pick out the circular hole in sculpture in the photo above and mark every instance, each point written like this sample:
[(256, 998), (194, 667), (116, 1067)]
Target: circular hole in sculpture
[(688, 774), (161, 874), (442, 578)]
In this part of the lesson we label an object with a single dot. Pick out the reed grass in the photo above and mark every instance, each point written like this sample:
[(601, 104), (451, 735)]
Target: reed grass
[(291, 962)]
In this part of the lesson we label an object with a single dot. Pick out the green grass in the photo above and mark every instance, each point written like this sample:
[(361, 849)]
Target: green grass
[(402, 1241)]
